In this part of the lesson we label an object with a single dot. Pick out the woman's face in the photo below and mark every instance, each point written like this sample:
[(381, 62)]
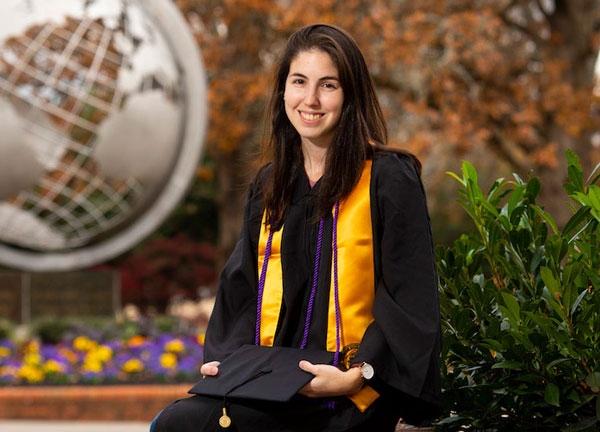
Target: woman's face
[(313, 96)]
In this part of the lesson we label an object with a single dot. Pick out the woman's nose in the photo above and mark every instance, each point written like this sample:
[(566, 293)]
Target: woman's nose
[(311, 98)]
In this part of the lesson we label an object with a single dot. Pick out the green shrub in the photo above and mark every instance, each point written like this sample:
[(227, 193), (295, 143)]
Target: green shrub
[(520, 304), (51, 329), (6, 328)]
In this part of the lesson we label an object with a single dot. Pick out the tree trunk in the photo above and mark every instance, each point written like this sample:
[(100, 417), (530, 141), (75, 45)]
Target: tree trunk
[(574, 21)]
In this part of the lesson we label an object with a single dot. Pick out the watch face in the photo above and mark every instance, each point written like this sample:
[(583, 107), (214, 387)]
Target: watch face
[(367, 371)]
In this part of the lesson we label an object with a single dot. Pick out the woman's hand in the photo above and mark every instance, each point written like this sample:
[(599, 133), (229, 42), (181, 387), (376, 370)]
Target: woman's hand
[(330, 381), (210, 368)]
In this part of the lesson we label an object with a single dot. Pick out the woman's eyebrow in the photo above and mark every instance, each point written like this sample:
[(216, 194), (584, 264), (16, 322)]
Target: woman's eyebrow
[(298, 74)]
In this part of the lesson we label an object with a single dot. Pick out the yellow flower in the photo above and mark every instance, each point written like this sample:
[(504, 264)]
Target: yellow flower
[(200, 338), (30, 373), (133, 365), (68, 354), (4, 351), (82, 343), (168, 360), (175, 346), (102, 354), (32, 359), (92, 365), (52, 366), (137, 340)]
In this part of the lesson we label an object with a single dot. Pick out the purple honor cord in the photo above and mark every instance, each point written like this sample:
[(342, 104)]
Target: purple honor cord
[(263, 275), (261, 286), (331, 404), (314, 285), (335, 285)]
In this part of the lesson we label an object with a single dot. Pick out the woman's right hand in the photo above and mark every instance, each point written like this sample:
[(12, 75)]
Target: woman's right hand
[(210, 368)]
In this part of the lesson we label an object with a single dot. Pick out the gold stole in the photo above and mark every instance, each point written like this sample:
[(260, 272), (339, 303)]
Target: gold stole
[(356, 279)]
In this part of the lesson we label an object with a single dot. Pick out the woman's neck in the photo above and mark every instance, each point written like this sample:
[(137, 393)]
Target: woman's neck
[(314, 160)]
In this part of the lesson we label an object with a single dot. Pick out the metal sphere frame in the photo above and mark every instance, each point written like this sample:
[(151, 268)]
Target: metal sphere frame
[(176, 32)]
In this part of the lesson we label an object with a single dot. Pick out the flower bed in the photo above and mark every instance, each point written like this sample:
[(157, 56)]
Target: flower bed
[(161, 359)]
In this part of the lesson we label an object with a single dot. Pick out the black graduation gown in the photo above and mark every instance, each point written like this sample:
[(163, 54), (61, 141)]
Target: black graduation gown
[(402, 343)]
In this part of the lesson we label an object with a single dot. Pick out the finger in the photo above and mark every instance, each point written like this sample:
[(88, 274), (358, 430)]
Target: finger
[(307, 366), (210, 368)]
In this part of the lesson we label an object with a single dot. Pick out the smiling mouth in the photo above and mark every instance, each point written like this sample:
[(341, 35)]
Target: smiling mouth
[(310, 117)]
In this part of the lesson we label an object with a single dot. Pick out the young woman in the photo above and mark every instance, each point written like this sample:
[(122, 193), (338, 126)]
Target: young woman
[(335, 254)]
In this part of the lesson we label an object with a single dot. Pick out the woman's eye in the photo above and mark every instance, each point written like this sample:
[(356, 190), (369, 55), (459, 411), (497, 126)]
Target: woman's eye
[(298, 81), (329, 86)]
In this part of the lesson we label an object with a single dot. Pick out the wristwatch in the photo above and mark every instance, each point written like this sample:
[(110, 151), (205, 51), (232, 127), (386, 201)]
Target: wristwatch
[(366, 370)]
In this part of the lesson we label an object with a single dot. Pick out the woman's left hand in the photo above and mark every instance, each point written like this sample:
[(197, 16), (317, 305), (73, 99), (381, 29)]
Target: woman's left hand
[(330, 381)]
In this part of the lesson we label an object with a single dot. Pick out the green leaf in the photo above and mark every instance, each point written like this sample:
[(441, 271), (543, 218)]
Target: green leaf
[(547, 218), (569, 188), (579, 298), (505, 221), (490, 208), (493, 344), (519, 180), (568, 296), (536, 259), (494, 189), (576, 235), (553, 363), (551, 395), (469, 172), (554, 304), (533, 188), (450, 420), (513, 306), (508, 364), (574, 171), (451, 174), (574, 396), (576, 219), (549, 280), (594, 196), (593, 380), (572, 158), (581, 198), (589, 179), (515, 197)]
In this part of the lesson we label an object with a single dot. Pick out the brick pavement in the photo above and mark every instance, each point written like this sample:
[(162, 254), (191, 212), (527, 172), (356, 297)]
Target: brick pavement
[(71, 426), (105, 403)]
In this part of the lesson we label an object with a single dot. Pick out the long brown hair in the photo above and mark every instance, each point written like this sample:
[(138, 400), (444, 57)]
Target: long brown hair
[(360, 132)]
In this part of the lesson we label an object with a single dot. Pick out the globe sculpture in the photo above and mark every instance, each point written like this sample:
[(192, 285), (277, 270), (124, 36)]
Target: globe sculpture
[(102, 119)]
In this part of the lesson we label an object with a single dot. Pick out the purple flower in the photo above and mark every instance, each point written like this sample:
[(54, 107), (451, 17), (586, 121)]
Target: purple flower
[(190, 366)]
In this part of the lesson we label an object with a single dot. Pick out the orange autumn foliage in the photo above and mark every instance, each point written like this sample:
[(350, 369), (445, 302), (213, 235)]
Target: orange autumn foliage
[(511, 79)]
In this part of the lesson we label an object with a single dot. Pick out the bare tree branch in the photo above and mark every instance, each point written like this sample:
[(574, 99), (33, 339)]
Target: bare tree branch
[(542, 9), (525, 30)]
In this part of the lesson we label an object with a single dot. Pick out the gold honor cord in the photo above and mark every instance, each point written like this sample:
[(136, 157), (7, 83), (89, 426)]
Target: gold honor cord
[(356, 280), (356, 275)]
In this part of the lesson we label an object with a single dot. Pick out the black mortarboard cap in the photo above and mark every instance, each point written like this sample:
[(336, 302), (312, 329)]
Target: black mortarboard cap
[(261, 373)]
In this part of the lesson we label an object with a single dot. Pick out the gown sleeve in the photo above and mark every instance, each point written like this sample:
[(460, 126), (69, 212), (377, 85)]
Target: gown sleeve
[(403, 342), (232, 322)]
